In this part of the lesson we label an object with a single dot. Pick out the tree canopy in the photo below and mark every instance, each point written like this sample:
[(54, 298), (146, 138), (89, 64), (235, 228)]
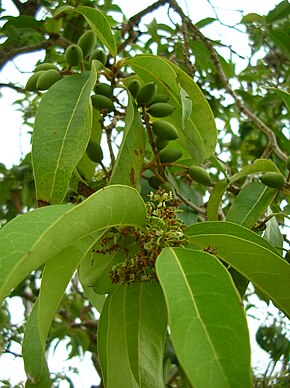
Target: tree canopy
[(154, 200)]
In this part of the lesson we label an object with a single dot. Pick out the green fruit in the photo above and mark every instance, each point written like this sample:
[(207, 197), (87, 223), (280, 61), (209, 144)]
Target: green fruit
[(147, 93), (101, 102), (164, 130), (134, 86), (167, 186), (94, 152), (155, 182), (169, 155), (45, 66), (104, 89), (47, 79), (273, 179), (87, 42), (160, 144), (99, 55), (199, 175), (288, 163), (160, 98), (73, 55), (32, 81), (161, 109)]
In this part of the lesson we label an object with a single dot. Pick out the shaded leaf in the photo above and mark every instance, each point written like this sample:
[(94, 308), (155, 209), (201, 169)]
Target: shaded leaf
[(284, 95), (128, 166), (212, 344)]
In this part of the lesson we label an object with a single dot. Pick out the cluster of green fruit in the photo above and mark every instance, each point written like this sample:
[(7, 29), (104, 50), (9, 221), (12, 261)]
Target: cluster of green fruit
[(157, 106), (46, 74)]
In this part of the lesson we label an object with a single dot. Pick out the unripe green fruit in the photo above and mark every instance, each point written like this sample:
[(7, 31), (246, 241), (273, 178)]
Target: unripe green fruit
[(47, 79), (167, 186), (169, 155), (288, 163), (147, 93), (161, 109), (160, 97), (199, 175), (101, 102), (104, 89), (87, 42), (273, 179), (45, 66), (155, 182), (134, 86), (94, 152), (99, 55), (73, 55), (160, 144), (32, 81), (164, 130)]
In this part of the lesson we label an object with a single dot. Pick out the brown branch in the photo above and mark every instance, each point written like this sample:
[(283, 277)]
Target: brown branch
[(135, 20), (272, 146)]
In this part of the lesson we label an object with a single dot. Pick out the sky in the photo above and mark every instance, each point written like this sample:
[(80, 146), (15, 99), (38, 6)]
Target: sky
[(15, 143)]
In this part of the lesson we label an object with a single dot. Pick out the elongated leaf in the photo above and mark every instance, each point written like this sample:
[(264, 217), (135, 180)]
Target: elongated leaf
[(281, 11), (61, 134), (131, 335), (57, 273), (29, 241), (215, 199), (198, 134), (248, 253), (284, 95), (260, 165), (127, 168), (250, 204), (281, 40), (207, 323), (100, 25)]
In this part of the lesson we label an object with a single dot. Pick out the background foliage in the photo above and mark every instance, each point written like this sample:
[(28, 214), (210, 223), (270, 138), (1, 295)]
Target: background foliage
[(231, 122)]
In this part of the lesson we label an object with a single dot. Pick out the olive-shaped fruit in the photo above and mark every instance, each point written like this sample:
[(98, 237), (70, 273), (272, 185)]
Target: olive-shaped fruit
[(73, 55), (94, 152), (160, 144), (169, 155), (167, 186), (161, 109), (160, 97), (47, 79), (45, 66), (134, 86), (87, 42), (32, 81), (147, 93), (164, 130), (288, 163), (155, 182), (199, 175), (99, 55), (101, 102), (273, 179), (104, 89)]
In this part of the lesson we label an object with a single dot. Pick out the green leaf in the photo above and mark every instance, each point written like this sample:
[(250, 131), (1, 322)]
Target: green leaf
[(250, 204), (281, 40), (57, 273), (128, 166), (30, 240), (248, 253), (95, 299), (214, 200), (131, 335), (284, 95), (100, 25), (281, 11), (260, 165), (64, 8), (207, 322), (252, 18), (198, 136), (61, 134), (186, 106)]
